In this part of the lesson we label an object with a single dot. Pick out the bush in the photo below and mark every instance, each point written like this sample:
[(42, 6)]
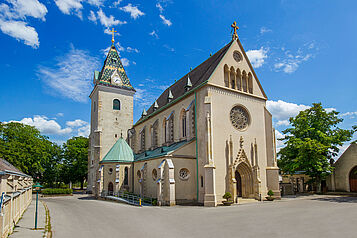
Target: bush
[(52, 191), (270, 193), (227, 195), (154, 202)]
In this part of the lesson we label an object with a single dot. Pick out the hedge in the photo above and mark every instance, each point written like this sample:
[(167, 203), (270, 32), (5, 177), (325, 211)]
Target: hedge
[(49, 191)]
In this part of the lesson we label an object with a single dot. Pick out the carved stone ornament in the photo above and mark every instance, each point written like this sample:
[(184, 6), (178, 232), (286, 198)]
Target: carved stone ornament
[(239, 117), (184, 174)]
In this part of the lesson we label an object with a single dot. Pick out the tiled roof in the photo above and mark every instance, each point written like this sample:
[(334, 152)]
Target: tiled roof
[(197, 76), (120, 152), (6, 166), (112, 63)]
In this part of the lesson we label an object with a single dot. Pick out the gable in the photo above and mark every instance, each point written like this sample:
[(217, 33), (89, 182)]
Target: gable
[(241, 70)]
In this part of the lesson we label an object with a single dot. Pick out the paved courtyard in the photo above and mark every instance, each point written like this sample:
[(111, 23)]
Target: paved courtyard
[(313, 216)]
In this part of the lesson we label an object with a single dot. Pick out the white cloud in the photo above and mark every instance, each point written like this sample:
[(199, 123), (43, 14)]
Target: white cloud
[(154, 34), (133, 10), (349, 114), (165, 21), (264, 30), (291, 61), (72, 75), (92, 17), (76, 123), (84, 131), (70, 6), (282, 111), (108, 21), (20, 9), (169, 48), (279, 143), (45, 125), (117, 3), (129, 49), (21, 31), (60, 114), (161, 9), (96, 3), (257, 57), (125, 62)]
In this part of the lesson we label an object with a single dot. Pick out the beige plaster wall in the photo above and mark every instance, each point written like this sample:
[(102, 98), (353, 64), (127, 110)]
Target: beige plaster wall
[(343, 167), (184, 189), (111, 177)]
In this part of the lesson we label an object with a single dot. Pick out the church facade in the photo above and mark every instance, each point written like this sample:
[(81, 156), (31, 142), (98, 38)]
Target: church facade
[(207, 134)]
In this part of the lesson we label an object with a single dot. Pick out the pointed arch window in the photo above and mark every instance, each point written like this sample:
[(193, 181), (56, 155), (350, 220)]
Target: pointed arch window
[(171, 127), (183, 123), (244, 81), (154, 139), (250, 83), (226, 76), (233, 78), (116, 104), (142, 139)]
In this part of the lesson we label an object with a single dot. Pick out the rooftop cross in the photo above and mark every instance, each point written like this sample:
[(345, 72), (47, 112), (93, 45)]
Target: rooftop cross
[(235, 28), (112, 31)]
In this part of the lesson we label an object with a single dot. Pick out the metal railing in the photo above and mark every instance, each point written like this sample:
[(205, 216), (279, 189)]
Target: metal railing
[(130, 198)]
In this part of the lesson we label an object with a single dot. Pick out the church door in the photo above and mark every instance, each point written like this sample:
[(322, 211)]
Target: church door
[(353, 179), (110, 188), (239, 184)]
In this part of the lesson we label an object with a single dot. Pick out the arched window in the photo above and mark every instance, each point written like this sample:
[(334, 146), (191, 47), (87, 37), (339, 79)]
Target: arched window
[(226, 76), (142, 139), (171, 128), (250, 83), (116, 104), (244, 81), (126, 176), (233, 78), (239, 80), (164, 129), (154, 138), (193, 123), (183, 123)]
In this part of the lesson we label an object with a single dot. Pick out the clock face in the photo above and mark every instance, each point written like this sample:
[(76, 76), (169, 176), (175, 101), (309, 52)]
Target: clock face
[(237, 56), (239, 117), (116, 79)]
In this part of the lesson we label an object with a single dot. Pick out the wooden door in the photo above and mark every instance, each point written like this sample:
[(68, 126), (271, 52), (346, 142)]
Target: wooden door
[(353, 180)]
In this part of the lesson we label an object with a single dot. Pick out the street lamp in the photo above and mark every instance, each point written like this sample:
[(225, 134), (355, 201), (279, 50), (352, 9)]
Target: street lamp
[(37, 188)]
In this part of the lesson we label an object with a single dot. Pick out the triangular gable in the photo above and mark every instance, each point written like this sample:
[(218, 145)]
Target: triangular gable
[(217, 76)]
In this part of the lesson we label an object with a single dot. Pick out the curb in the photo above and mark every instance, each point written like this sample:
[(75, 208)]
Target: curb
[(48, 227)]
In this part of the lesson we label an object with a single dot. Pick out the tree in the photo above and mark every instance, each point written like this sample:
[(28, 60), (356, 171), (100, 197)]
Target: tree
[(75, 160), (28, 150), (313, 139)]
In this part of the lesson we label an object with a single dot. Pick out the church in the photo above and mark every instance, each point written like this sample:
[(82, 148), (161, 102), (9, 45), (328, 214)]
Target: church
[(207, 134)]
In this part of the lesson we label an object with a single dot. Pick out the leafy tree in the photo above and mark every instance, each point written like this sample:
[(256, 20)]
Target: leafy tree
[(75, 160), (311, 142), (28, 150)]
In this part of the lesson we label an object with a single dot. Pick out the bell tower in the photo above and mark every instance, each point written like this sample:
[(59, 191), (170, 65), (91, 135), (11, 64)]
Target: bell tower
[(111, 112)]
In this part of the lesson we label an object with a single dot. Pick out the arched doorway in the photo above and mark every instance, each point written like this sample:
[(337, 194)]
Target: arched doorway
[(353, 179), (245, 183), (239, 184), (110, 188)]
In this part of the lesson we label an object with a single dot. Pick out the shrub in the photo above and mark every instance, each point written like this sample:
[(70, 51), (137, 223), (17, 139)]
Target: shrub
[(154, 202), (227, 196), (270, 193), (52, 191)]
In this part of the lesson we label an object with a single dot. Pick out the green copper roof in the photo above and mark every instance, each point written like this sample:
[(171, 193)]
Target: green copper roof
[(120, 152), (111, 64), (160, 151)]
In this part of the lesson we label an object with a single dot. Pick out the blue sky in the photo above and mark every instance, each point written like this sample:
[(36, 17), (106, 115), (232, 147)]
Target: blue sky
[(302, 52)]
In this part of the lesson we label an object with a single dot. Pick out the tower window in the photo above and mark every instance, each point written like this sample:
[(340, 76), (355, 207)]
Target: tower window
[(116, 104)]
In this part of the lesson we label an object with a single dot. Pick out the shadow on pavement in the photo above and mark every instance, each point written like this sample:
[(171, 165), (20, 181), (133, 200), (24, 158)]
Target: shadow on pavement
[(87, 198), (337, 199)]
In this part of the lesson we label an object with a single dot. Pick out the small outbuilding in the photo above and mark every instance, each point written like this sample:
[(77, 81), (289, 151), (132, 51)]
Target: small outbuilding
[(344, 177)]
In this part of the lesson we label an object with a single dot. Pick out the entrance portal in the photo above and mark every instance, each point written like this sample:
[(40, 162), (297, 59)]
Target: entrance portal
[(353, 179), (245, 181), (239, 184)]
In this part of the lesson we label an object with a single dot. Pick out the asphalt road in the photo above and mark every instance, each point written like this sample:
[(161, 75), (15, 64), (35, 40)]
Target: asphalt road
[(318, 216)]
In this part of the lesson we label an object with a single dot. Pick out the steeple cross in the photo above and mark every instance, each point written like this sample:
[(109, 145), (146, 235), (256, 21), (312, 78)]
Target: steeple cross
[(112, 31), (235, 28)]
